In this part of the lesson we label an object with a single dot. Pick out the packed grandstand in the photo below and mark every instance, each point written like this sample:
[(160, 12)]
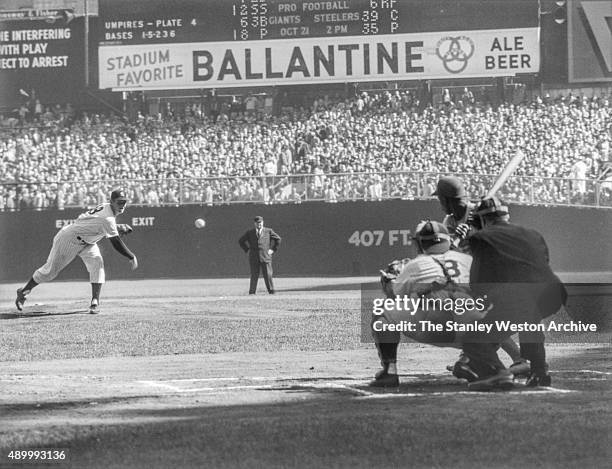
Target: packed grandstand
[(372, 146)]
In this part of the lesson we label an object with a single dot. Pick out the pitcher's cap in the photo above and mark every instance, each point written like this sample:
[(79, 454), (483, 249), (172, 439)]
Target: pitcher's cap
[(118, 194)]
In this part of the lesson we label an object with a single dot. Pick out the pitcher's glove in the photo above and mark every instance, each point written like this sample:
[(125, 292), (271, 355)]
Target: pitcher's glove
[(390, 273), (124, 229)]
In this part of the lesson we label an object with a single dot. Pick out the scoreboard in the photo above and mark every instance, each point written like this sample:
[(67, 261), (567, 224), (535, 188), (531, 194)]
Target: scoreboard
[(243, 20), (183, 21), (161, 44), (172, 44)]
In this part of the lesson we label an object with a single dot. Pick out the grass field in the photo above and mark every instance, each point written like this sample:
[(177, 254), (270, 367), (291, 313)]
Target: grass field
[(195, 373)]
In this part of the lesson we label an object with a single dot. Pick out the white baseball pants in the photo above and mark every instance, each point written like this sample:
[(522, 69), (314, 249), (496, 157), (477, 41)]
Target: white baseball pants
[(65, 248)]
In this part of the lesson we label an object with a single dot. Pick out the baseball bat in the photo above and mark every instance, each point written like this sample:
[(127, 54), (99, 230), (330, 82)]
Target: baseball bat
[(506, 173)]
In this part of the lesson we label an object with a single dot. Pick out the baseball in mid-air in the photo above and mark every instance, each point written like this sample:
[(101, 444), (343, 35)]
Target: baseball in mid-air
[(200, 223)]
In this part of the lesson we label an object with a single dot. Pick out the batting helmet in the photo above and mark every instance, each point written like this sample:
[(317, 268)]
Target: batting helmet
[(432, 237), (491, 206), (451, 187)]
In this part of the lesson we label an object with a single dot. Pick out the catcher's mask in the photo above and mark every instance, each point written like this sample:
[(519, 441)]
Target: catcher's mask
[(432, 237)]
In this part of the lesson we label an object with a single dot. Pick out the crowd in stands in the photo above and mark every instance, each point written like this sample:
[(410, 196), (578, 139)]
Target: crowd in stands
[(373, 146)]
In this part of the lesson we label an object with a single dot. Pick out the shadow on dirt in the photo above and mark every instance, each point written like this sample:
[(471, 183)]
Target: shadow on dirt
[(39, 314)]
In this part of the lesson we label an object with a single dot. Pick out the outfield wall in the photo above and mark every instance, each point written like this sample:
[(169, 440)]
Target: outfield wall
[(319, 239)]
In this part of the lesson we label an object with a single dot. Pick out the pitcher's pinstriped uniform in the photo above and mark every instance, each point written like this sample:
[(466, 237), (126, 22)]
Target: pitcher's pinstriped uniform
[(79, 239)]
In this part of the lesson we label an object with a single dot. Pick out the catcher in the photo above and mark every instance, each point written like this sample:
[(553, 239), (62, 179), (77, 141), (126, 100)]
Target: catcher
[(437, 273), (81, 239)]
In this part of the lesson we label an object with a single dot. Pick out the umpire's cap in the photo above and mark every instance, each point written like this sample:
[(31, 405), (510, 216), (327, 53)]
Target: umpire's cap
[(433, 237), (451, 187), (491, 206), (118, 194), (258, 218)]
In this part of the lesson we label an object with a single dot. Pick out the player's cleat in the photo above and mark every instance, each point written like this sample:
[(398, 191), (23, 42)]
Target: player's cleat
[(462, 358), (503, 380), (94, 307), (382, 372), (383, 379), (520, 368), (462, 370), (534, 381), (21, 297)]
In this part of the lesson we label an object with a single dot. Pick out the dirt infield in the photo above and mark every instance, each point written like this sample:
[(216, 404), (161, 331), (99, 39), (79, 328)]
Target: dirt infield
[(196, 373)]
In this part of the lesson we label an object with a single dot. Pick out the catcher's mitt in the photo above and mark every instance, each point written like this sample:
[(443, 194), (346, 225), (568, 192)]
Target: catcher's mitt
[(390, 273), (124, 229)]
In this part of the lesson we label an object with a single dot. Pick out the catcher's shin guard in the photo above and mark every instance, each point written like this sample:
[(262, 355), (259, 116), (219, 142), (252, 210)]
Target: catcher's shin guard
[(387, 352)]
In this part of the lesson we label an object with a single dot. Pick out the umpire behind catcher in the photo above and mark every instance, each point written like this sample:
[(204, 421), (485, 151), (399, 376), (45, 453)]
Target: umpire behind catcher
[(511, 268), (260, 242)]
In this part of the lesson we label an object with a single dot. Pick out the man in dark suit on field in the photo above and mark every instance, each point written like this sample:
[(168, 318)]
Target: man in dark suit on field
[(260, 242)]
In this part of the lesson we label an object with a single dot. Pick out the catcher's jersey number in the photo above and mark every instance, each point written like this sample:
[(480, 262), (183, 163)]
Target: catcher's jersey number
[(452, 268), (368, 238)]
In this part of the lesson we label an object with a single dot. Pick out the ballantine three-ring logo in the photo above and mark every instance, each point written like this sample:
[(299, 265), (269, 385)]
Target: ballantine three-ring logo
[(455, 52)]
